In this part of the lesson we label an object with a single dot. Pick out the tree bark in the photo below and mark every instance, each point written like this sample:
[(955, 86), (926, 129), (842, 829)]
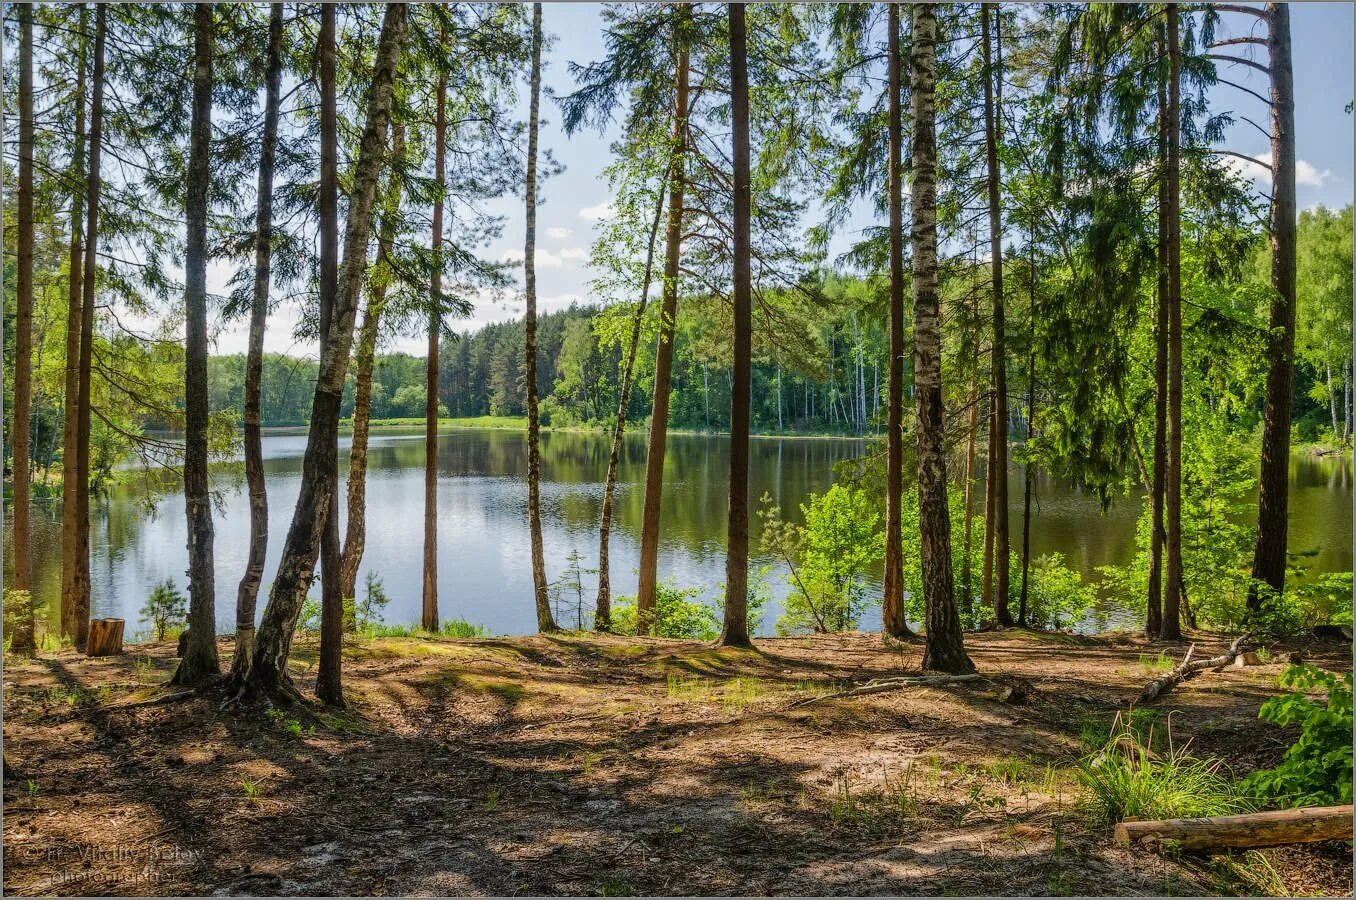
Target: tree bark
[(736, 629), (200, 658), (1158, 536), (1265, 829), (71, 396), (1269, 553), (80, 586), (894, 620), (21, 639), (602, 615), (429, 616), (247, 594), (545, 620), (268, 674), (1029, 470), (1171, 629), (944, 650), (999, 410), (355, 537), (329, 672), (663, 361)]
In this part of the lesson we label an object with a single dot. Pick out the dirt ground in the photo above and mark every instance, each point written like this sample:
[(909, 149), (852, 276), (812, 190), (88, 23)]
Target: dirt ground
[(593, 765)]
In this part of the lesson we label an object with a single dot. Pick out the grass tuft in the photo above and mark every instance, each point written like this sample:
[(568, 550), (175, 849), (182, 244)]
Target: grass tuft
[(1126, 779)]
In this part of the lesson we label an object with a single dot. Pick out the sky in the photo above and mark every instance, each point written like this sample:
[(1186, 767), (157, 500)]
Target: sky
[(576, 199)]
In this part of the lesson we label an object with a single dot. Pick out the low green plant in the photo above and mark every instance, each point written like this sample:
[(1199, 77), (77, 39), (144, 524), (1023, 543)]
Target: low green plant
[(1057, 596), (679, 613), (166, 610), (1125, 779), (827, 558), (1316, 770), (251, 789), (371, 606)]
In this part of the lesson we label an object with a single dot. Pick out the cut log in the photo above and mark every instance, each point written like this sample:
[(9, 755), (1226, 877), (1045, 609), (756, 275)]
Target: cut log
[(105, 637), (1187, 669), (1265, 829)]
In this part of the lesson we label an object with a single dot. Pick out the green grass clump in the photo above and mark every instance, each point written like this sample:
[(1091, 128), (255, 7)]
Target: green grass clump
[(1126, 779), (453, 628)]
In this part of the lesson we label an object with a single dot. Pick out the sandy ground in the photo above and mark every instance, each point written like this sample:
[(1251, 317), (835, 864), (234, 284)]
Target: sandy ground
[(593, 765)]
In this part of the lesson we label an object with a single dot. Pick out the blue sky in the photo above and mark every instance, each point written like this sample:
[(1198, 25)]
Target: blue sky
[(1322, 34)]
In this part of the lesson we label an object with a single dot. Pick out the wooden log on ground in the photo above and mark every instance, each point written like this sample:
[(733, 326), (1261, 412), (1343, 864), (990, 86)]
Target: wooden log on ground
[(1265, 829), (881, 685), (1187, 669), (105, 637)]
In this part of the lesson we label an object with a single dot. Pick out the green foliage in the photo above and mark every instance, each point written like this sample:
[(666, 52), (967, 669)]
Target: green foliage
[(679, 613), (1057, 596), (827, 557), (369, 609), (166, 610), (1316, 770), (1126, 779)]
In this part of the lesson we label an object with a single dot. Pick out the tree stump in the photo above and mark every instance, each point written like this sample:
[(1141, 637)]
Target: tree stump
[(105, 637)]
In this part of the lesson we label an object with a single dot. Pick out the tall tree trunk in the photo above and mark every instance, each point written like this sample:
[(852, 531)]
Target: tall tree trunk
[(429, 618), (1158, 538), (71, 395), (1269, 554), (268, 674), (355, 537), (893, 618), (81, 582), (971, 430), (21, 639), (248, 593), (200, 658), (1332, 399), (944, 650), (1172, 594), (986, 566), (663, 360), (329, 672), (736, 630), (999, 410), (602, 615), (1029, 470), (545, 621)]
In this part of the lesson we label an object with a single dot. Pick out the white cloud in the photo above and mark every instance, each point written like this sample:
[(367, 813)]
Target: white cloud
[(555, 232), (1259, 174), (574, 253), (604, 210), (547, 259)]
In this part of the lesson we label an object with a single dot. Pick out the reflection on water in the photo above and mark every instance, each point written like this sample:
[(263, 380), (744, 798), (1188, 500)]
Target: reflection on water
[(484, 573)]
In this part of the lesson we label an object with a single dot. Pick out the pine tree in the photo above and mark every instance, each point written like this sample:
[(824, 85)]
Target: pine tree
[(736, 629), (944, 649), (200, 658)]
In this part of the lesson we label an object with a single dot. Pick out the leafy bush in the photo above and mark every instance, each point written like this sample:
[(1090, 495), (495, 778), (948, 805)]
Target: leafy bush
[(1057, 596), (1316, 771), (1126, 779), (166, 610), (678, 614), (827, 558), (19, 604)]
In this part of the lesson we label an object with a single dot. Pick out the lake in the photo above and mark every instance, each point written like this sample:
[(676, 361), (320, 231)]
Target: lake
[(484, 575)]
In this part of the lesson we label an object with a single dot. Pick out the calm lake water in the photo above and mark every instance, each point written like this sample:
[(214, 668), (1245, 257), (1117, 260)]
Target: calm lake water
[(483, 570)]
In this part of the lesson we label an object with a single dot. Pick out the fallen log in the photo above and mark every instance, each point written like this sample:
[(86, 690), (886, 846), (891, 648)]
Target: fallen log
[(1186, 670), (881, 685), (1265, 829)]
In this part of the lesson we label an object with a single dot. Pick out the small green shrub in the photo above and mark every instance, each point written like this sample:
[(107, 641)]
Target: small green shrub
[(371, 606), (166, 610), (1316, 771), (827, 557), (679, 613), (1057, 596)]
